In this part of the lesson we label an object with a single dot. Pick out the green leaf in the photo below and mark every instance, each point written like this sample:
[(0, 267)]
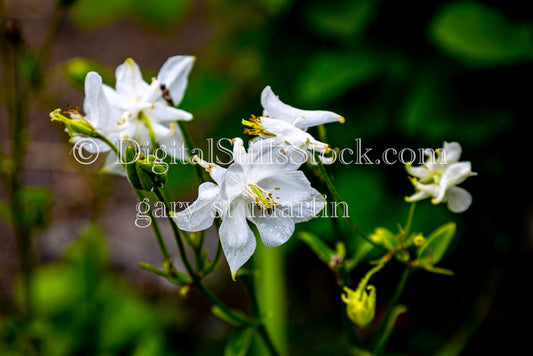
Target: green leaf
[(328, 75), (437, 243), (478, 35), (346, 19), (227, 317), (239, 343), (159, 14), (319, 247)]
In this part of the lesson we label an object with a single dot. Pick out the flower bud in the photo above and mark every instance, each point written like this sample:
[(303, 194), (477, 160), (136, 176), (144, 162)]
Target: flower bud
[(361, 304), (76, 125), (145, 173), (385, 238)]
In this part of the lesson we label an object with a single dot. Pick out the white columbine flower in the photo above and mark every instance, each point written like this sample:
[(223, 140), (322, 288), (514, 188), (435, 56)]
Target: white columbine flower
[(100, 117), (147, 110), (263, 187), (438, 178), (284, 124)]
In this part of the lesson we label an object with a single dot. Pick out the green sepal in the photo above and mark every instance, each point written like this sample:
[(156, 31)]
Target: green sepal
[(385, 238), (230, 319), (319, 247), (173, 276), (239, 343), (437, 243), (74, 127), (131, 172)]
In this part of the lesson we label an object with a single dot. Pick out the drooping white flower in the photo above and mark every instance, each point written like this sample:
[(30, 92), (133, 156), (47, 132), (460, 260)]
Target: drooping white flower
[(283, 124), (438, 178), (147, 110), (100, 117), (262, 186)]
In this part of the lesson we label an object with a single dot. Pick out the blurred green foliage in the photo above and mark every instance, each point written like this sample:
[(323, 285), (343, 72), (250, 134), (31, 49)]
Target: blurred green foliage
[(79, 308), (403, 75)]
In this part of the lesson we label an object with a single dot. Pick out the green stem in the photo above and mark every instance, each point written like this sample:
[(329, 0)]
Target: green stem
[(188, 143), (16, 185), (45, 51), (336, 197), (382, 331), (151, 133), (140, 196), (266, 339), (409, 219), (196, 279), (157, 232)]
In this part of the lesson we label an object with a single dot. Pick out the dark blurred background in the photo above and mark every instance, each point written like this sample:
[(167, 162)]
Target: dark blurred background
[(403, 74)]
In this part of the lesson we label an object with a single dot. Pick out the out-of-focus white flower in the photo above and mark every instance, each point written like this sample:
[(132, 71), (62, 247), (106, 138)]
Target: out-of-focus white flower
[(283, 124), (100, 117), (262, 186), (438, 178), (147, 110)]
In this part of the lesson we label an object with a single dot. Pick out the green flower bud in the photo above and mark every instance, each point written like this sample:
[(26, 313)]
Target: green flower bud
[(131, 172), (76, 125), (145, 173), (361, 304), (385, 238)]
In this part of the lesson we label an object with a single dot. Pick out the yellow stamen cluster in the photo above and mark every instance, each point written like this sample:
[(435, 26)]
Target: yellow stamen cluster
[(262, 199), (254, 126)]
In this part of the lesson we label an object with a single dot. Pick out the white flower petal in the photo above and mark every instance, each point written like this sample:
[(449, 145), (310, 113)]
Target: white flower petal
[(216, 172), (200, 215), (287, 131), (239, 152), (269, 161), (417, 196), (234, 183), (276, 109), (458, 199), (274, 230), (170, 139), (165, 113), (236, 237), (308, 208), (422, 172), (288, 187), (456, 173), (129, 79), (93, 85), (451, 152), (174, 74), (113, 166)]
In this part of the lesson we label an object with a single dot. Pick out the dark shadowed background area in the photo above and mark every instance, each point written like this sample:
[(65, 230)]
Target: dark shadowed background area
[(404, 75)]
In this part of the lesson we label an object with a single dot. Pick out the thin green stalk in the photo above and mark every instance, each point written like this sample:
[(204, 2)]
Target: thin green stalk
[(188, 143), (410, 216), (140, 196), (196, 279), (151, 133), (157, 232), (18, 152), (382, 333), (45, 51), (336, 197), (266, 339)]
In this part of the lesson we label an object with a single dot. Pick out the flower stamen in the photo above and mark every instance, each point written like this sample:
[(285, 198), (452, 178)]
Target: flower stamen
[(261, 198)]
